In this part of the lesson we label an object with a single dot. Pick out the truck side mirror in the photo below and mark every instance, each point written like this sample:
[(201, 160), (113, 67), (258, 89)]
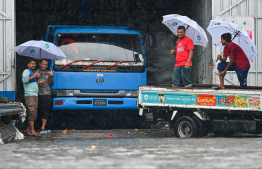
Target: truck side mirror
[(152, 41)]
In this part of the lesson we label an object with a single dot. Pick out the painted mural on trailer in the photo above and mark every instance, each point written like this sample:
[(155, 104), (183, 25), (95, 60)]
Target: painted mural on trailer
[(240, 101)]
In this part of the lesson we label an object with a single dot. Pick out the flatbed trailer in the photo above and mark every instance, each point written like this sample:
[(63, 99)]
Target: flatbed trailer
[(199, 110)]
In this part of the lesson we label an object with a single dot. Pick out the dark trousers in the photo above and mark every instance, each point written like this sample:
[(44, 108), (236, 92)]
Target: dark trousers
[(241, 73), (44, 105)]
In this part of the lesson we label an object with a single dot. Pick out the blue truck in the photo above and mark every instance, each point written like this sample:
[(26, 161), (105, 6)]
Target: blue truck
[(104, 67)]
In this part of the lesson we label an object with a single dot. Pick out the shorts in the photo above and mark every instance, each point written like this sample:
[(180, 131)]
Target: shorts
[(44, 105), (31, 104)]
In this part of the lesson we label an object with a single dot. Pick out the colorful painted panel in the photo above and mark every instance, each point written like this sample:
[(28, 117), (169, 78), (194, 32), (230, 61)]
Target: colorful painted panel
[(239, 101)]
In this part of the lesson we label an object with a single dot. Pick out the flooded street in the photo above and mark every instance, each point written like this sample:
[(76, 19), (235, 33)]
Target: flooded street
[(131, 149), (109, 81)]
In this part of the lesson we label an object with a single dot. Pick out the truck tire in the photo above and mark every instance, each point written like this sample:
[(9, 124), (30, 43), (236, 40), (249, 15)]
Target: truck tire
[(185, 127), (202, 130), (199, 127), (205, 127)]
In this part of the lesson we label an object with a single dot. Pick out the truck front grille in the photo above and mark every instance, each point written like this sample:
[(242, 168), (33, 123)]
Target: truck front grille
[(98, 92), (89, 93)]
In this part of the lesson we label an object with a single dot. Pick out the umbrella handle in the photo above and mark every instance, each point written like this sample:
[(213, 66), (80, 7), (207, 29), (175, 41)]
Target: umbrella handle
[(176, 44), (187, 27), (220, 54)]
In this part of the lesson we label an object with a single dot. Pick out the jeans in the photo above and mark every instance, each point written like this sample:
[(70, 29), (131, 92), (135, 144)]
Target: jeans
[(241, 73), (181, 74)]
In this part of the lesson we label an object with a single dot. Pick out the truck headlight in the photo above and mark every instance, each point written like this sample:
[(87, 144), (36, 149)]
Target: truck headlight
[(131, 93), (70, 93), (65, 93), (128, 93)]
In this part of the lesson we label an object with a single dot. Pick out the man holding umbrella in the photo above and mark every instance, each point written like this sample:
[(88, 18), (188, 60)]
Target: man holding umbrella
[(190, 34), (238, 62), (184, 53), (240, 49)]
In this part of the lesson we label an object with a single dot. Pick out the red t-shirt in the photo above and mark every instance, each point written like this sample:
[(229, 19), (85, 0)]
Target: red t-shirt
[(241, 60), (183, 47)]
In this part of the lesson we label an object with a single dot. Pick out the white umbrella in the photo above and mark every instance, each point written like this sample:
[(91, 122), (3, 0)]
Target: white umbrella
[(239, 36), (193, 30), (40, 50)]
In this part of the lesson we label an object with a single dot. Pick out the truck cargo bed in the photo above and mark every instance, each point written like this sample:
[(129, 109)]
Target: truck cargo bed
[(200, 97)]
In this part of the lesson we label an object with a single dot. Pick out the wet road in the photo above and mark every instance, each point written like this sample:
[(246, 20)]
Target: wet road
[(130, 149)]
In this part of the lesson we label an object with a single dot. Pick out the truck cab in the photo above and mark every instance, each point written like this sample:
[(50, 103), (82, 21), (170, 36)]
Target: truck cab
[(103, 69)]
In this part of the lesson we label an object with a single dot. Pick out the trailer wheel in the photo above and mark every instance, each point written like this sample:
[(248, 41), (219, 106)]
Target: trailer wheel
[(185, 127)]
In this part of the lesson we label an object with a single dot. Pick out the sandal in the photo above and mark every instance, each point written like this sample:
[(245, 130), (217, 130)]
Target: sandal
[(35, 135), (217, 87), (45, 132)]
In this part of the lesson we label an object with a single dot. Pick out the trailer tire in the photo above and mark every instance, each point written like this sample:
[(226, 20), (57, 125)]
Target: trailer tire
[(185, 127)]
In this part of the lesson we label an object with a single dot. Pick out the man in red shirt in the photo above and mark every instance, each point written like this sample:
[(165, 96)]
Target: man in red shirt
[(184, 53), (238, 62)]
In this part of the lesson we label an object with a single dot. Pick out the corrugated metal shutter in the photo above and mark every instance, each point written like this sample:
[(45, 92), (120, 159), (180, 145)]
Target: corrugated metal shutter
[(248, 14), (7, 44)]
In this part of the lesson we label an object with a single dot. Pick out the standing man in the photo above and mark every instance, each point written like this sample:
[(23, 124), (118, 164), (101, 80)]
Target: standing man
[(238, 62), (184, 53), (45, 81), (31, 96)]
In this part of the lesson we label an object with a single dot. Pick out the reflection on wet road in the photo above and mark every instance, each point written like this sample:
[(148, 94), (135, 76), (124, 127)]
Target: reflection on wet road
[(130, 149)]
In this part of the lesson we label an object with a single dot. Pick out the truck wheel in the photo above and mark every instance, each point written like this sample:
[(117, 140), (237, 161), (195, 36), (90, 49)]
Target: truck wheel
[(205, 126), (185, 127), (199, 127)]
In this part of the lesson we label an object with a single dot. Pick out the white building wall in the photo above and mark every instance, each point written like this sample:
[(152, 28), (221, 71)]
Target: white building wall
[(247, 14), (7, 44)]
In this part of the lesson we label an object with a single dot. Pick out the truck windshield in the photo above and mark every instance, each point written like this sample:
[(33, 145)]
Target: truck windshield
[(93, 47)]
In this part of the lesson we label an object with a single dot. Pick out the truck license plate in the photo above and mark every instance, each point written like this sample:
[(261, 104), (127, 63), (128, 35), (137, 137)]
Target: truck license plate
[(99, 102)]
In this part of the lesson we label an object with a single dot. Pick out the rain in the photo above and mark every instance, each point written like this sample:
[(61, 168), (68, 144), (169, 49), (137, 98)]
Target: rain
[(138, 137)]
